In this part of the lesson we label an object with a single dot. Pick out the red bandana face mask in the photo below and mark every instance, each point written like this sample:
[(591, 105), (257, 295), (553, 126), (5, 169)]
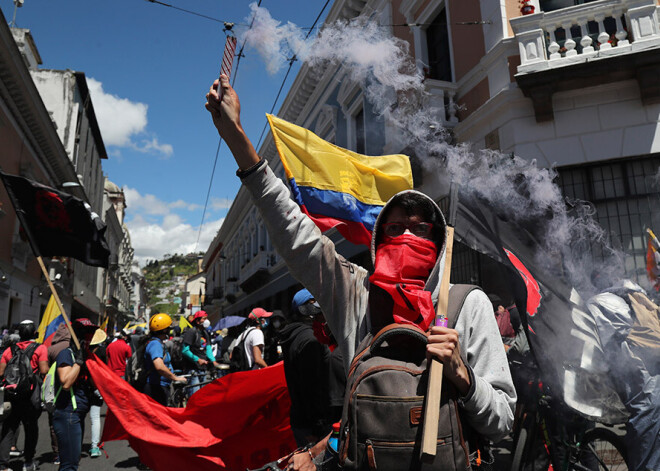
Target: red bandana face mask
[(403, 265)]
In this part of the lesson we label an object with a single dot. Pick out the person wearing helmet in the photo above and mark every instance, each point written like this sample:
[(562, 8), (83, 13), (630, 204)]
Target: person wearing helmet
[(75, 399), (157, 360), (197, 350)]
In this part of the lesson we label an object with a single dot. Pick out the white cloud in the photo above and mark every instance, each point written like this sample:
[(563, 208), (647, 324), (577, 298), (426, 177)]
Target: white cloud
[(156, 230), (221, 203), (123, 121), (137, 203), (152, 241)]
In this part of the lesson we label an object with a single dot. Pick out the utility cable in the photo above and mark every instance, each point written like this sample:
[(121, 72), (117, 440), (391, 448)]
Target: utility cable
[(189, 11), (217, 152), (291, 61)]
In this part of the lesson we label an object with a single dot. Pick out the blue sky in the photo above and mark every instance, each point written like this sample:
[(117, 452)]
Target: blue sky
[(149, 67)]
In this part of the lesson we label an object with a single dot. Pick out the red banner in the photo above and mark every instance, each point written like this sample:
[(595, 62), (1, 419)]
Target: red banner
[(239, 421)]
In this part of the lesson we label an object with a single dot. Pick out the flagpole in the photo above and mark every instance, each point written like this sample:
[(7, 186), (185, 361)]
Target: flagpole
[(431, 413), (57, 300)]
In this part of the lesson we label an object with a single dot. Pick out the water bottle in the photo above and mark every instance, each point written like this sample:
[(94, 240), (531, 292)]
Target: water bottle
[(333, 441)]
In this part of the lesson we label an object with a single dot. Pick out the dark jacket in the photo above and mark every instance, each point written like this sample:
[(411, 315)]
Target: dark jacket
[(307, 371)]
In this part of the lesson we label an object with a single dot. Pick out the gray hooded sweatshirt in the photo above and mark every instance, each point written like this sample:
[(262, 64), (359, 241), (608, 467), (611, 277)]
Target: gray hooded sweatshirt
[(342, 290)]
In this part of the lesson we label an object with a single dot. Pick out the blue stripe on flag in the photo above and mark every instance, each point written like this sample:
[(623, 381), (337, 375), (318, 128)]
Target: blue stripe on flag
[(335, 204), (52, 327)]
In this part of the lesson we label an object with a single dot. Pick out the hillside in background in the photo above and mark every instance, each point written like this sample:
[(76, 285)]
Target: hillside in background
[(165, 280)]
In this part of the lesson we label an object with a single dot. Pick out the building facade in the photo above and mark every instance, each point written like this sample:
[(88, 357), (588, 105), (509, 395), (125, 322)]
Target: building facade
[(573, 86), (31, 148)]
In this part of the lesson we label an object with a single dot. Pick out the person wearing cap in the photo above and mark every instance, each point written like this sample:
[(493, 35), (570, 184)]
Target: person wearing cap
[(118, 353), (197, 350), (157, 360), (76, 389), (307, 371), (408, 252), (254, 337), (23, 410)]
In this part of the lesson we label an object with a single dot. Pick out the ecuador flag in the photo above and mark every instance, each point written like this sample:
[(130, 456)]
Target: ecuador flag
[(335, 186), (49, 322)]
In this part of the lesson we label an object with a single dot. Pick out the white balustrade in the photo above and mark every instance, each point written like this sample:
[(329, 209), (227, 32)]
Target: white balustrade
[(443, 98), (540, 35)]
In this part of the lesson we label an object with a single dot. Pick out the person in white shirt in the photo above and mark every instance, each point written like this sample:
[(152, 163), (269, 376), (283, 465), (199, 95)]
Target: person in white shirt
[(254, 337)]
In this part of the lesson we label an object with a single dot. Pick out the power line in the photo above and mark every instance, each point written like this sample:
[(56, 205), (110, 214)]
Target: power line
[(217, 152), (291, 61), (189, 11)]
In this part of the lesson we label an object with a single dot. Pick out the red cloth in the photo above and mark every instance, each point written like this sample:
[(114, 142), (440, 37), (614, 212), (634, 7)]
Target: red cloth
[(117, 353), (238, 421), (504, 324), (403, 264), (40, 354)]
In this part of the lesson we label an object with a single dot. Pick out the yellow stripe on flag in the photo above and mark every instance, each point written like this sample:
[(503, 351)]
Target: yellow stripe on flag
[(314, 162), (50, 314), (104, 325)]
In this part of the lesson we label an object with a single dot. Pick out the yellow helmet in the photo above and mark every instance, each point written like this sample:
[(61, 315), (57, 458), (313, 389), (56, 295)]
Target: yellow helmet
[(159, 322)]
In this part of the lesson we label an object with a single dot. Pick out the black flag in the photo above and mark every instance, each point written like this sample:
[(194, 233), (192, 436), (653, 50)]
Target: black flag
[(561, 331), (56, 223)]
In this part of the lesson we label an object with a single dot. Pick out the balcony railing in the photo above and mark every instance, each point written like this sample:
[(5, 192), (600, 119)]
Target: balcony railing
[(443, 98), (258, 262), (585, 32)]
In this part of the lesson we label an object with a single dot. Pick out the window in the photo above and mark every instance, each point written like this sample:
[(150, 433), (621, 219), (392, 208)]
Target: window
[(437, 41), (360, 138), (626, 198)]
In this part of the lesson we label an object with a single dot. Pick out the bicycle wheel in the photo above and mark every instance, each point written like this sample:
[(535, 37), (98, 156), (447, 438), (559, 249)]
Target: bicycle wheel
[(522, 445), (603, 450)]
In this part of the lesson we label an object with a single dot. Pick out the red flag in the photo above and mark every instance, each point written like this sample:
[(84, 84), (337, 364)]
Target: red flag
[(236, 422)]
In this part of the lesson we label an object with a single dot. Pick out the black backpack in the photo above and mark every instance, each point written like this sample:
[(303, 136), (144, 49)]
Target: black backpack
[(239, 360), (20, 380), (176, 353), (136, 370), (384, 399)]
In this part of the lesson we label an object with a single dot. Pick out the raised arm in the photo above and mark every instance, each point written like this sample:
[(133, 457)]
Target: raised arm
[(226, 114), (338, 285)]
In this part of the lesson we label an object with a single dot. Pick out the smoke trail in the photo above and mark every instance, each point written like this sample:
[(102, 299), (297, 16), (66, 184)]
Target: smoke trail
[(395, 88)]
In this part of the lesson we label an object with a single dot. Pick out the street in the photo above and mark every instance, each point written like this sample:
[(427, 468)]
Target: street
[(121, 456)]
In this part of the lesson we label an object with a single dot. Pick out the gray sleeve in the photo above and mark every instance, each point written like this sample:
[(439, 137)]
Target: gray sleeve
[(490, 404), (338, 285)]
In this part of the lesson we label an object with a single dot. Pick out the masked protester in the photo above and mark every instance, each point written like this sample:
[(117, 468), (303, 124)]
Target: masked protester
[(407, 248), (197, 349), (307, 371)]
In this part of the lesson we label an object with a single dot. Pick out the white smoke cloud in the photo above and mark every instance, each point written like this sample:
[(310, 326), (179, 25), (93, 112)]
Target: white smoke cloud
[(395, 88), (123, 121)]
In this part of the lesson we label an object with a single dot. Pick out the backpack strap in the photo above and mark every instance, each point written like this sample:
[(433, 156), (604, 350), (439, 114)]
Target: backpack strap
[(30, 349), (457, 296)]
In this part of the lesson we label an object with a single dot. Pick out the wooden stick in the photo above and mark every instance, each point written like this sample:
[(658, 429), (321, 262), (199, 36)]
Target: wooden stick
[(57, 300), (434, 387)]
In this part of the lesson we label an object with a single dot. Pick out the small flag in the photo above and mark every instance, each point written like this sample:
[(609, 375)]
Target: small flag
[(653, 259), (228, 56), (56, 223), (183, 323), (49, 322), (335, 186), (104, 325)]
